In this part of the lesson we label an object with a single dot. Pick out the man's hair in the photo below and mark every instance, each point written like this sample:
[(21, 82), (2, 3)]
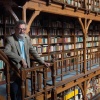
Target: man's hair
[(19, 22)]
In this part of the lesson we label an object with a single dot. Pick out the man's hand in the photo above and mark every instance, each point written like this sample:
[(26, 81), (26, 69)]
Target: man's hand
[(23, 63), (47, 64)]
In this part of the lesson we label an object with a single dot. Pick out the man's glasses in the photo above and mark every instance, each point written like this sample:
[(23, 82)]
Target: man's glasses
[(24, 29)]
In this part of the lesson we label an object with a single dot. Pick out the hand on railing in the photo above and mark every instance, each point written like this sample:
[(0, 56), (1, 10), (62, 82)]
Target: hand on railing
[(47, 64), (23, 63)]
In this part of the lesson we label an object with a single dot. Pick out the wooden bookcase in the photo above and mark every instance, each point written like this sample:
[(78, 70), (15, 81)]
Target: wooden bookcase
[(92, 44), (63, 38), (6, 28)]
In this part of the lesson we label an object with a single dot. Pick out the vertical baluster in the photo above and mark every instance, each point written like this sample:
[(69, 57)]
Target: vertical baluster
[(54, 93), (23, 83), (8, 82), (44, 82)]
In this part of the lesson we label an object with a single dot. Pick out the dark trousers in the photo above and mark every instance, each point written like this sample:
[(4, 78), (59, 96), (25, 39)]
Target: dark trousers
[(15, 90)]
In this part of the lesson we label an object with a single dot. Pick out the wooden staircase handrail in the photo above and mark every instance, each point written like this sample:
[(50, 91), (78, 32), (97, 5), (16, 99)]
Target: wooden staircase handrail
[(7, 61)]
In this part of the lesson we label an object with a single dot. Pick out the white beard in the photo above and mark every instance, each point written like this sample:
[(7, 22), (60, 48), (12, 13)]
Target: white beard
[(21, 36)]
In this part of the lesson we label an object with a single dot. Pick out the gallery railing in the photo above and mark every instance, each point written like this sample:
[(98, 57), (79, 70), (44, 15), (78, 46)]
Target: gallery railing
[(88, 5)]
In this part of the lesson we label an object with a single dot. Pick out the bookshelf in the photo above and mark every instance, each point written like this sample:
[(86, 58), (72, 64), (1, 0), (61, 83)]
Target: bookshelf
[(6, 28), (62, 38), (92, 44), (1, 44), (1, 30)]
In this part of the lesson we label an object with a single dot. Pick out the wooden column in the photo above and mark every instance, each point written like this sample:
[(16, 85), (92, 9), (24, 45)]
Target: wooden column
[(85, 25), (82, 88), (54, 90), (23, 78), (85, 89), (24, 14), (35, 13)]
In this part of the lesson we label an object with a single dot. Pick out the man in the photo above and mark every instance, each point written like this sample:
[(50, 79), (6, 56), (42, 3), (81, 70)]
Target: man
[(17, 48)]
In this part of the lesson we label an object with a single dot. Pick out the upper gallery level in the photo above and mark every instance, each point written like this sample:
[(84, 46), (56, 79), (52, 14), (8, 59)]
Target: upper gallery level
[(89, 9)]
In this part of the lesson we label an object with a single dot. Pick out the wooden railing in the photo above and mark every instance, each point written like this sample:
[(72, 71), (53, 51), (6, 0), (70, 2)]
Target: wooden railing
[(36, 82), (88, 5)]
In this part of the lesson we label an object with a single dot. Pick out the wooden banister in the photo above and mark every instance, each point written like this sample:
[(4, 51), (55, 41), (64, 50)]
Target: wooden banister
[(7, 67)]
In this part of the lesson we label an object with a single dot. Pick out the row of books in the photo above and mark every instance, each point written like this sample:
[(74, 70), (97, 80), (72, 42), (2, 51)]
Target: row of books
[(46, 58), (87, 51), (94, 44), (75, 3), (93, 2), (89, 39), (52, 40), (92, 56), (10, 30), (41, 49), (1, 42), (54, 31), (60, 40), (1, 31), (2, 76), (78, 32), (8, 20), (96, 38), (39, 41), (38, 31), (63, 40), (79, 39), (53, 48), (52, 23), (59, 32), (1, 73), (90, 4), (94, 50), (79, 45), (79, 52), (56, 40), (69, 47), (1, 64), (88, 44)]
